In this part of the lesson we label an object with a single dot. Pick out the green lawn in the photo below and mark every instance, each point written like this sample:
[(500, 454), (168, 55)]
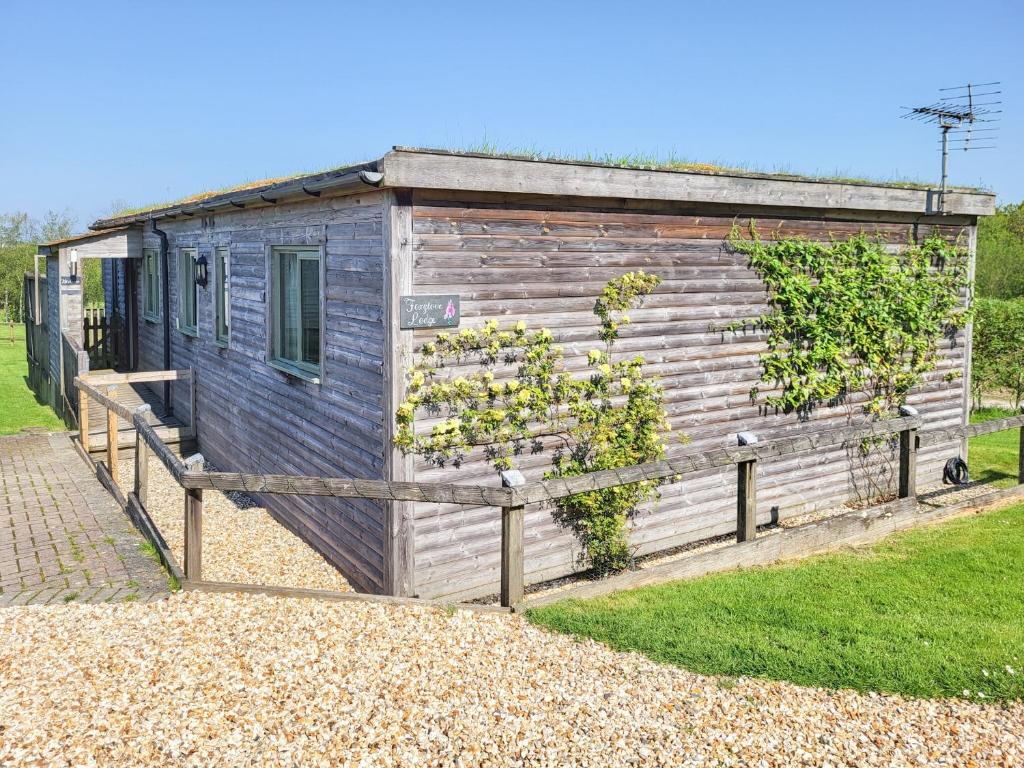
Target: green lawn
[(932, 612), (993, 458), (18, 405)]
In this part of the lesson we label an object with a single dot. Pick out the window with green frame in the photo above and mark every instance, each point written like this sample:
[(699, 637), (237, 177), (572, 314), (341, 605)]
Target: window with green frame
[(222, 295), (150, 284), (295, 308), (187, 291)]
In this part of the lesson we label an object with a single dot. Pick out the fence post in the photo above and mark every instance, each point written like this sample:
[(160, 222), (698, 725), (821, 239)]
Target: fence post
[(193, 525), (193, 534), (512, 589), (141, 461), (1020, 453), (746, 492), (83, 420), (908, 457), (112, 464)]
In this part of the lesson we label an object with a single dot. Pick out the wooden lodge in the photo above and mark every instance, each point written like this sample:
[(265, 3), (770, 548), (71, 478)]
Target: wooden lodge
[(289, 303)]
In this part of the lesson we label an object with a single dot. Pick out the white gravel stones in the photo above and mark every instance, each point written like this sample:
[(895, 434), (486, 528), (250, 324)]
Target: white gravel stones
[(202, 679), (241, 543)]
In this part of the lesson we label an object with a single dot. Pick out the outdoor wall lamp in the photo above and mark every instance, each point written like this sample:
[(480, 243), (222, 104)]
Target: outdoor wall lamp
[(73, 263), (202, 271)]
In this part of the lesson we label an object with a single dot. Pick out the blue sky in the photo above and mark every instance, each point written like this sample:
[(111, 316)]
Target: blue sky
[(136, 103)]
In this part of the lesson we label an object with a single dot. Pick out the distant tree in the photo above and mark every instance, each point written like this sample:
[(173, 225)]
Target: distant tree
[(15, 228), (19, 237), (92, 281), (56, 225), (1000, 271), (997, 354)]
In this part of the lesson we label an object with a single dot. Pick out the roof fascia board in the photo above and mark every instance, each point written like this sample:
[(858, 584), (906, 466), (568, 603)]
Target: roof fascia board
[(423, 170), (353, 180)]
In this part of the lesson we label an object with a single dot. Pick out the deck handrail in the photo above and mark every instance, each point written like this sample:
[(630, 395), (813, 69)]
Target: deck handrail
[(137, 377)]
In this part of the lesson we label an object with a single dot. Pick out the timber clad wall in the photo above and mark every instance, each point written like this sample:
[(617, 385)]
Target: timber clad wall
[(546, 262), (114, 274), (255, 418)]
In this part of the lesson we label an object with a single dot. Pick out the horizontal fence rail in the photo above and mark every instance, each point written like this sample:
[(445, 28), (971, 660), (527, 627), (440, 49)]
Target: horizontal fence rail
[(938, 436), (559, 488), (515, 493), (544, 490)]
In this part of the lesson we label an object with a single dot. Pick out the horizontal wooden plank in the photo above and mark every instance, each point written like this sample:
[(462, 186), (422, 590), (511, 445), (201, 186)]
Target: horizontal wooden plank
[(931, 437), (302, 485), (525, 218), (335, 596), (658, 470), (105, 400), (173, 464), (98, 379), (140, 517)]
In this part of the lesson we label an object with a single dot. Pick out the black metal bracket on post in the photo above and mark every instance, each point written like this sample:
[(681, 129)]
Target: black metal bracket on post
[(908, 457), (746, 492)]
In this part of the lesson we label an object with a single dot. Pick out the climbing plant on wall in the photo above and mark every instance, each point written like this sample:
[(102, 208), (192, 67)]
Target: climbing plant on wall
[(519, 398), (852, 316)]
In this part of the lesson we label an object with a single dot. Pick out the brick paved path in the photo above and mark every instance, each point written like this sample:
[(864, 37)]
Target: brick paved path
[(62, 537)]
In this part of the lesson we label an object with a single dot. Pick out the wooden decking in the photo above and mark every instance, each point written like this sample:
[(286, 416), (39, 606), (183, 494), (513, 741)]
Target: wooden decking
[(171, 429)]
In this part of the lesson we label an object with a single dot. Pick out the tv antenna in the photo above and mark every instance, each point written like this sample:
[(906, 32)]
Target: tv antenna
[(960, 114)]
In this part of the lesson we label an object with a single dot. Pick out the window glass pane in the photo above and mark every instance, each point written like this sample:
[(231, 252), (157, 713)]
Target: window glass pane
[(223, 301), (187, 289), (310, 303), (288, 309), (150, 282), (296, 306)]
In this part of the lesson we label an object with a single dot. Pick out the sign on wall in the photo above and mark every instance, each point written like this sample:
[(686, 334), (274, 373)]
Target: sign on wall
[(428, 311)]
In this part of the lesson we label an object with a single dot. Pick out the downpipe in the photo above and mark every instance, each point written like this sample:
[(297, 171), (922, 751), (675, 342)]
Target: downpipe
[(165, 297)]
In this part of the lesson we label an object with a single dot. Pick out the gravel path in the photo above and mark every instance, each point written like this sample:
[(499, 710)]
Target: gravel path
[(241, 542), (202, 679)]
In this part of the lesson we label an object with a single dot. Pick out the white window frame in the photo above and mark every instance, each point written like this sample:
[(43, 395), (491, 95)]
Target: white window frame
[(187, 282), (151, 284), (222, 295), (297, 368)]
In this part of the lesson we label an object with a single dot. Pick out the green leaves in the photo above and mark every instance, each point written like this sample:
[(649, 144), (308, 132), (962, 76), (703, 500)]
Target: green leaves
[(1001, 253), (852, 316), (997, 354), (521, 398)]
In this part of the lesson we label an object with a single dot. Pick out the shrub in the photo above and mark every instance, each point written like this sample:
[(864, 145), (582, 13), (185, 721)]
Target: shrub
[(609, 418), (997, 354), (851, 316)]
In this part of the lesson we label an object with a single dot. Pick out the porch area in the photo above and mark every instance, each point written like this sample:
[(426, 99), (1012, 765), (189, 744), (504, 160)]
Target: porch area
[(133, 390)]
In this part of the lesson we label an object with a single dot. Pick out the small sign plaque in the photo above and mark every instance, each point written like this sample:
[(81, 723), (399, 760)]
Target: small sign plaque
[(428, 311), (68, 280)]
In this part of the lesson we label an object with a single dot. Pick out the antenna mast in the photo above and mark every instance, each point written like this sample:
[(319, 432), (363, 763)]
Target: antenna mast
[(958, 113)]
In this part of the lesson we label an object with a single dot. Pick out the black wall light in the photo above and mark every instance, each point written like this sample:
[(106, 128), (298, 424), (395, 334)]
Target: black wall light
[(202, 271)]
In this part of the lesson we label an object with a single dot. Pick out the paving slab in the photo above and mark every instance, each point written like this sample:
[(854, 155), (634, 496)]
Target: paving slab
[(63, 538)]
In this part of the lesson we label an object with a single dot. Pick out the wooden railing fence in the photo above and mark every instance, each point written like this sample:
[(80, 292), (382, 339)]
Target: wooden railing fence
[(74, 363), (515, 492), (103, 389), (104, 337)]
